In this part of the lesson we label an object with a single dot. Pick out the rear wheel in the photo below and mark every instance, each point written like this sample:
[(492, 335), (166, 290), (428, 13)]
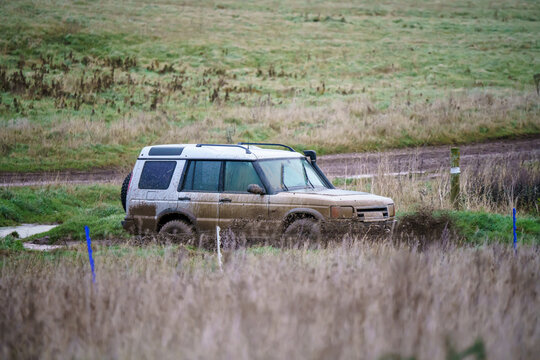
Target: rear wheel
[(178, 231), (302, 232), (123, 192)]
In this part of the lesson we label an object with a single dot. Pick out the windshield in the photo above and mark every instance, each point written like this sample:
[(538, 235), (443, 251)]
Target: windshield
[(291, 174)]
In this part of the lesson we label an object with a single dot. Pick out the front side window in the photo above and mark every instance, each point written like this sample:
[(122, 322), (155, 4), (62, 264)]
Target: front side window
[(291, 174), (156, 175), (202, 175), (239, 175)]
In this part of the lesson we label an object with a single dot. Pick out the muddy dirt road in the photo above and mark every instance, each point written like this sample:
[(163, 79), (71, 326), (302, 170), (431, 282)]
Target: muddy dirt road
[(429, 158), (114, 176), (393, 162)]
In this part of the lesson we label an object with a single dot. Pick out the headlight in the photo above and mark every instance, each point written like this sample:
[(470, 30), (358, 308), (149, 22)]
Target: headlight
[(391, 210), (341, 212)]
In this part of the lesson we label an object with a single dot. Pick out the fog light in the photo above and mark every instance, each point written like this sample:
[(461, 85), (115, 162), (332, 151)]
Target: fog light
[(341, 212)]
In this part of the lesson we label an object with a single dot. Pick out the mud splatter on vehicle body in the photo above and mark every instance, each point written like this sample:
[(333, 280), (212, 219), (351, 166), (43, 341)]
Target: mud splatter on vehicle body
[(260, 192)]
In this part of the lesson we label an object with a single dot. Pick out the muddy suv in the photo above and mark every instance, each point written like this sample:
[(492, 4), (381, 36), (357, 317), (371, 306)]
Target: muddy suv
[(191, 189)]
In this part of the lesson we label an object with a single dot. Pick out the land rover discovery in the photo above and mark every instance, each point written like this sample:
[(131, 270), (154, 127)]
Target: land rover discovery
[(191, 189)]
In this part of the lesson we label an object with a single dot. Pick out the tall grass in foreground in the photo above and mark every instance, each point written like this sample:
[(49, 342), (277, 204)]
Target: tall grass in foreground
[(357, 300)]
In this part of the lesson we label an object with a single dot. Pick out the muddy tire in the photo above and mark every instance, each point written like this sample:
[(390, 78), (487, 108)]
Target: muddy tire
[(123, 192), (301, 233), (178, 231)]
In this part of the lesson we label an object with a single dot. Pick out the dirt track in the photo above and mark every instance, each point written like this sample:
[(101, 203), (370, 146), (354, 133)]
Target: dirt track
[(114, 176), (424, 159), (429, 158)]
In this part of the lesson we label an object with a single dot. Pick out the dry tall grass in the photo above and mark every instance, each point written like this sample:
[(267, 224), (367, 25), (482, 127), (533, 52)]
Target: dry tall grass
[(353, 125), (492, 183), (359, 300)]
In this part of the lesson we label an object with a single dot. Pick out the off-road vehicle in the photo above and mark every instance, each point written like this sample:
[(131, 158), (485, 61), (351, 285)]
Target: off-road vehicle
[(191, 189)]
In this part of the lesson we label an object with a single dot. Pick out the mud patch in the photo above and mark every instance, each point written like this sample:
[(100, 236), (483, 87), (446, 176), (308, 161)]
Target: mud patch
[(143, 219), (423, 229), (243, 233), (143, 210)]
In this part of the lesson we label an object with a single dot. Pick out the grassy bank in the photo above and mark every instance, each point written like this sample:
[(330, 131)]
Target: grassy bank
[(85, 84), (72, 207)]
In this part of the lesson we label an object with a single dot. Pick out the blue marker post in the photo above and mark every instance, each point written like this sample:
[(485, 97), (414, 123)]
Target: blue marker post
[(89, 246), (515, 235)]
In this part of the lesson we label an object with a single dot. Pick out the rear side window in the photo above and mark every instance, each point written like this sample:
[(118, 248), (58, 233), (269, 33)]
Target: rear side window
[(156, 175), (202, 175)]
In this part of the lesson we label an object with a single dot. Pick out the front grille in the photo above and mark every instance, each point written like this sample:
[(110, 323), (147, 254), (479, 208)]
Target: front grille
[(372, 213)]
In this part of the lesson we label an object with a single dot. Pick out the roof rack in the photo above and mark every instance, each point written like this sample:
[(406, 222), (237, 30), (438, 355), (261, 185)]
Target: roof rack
[(227, 145), (269, 144)]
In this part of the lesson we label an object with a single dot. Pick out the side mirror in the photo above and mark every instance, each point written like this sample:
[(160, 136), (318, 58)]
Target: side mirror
[(312, 155), (255, 189)]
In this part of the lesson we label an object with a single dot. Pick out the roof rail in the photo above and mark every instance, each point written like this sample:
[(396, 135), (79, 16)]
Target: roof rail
[(226, 145), (269, 144)]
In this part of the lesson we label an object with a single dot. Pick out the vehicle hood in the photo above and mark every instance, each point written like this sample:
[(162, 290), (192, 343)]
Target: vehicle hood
[(331, 192), (335, 197)]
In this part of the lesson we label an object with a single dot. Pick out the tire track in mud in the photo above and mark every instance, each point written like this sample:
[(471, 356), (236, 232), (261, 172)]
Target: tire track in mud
[(391, 162)]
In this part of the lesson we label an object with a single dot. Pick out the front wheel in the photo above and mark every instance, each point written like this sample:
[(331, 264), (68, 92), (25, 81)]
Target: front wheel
[(302, 232)]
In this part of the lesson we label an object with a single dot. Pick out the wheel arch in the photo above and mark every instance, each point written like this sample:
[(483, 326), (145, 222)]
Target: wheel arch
[(175, 214), (300, 213)]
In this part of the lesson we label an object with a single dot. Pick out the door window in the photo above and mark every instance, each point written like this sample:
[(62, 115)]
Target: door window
[(239, 175), (202, 175)]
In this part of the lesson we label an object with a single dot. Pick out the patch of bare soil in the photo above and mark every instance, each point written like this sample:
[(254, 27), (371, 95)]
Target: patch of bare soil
[(429, 158), (114, 176), (424, 229)]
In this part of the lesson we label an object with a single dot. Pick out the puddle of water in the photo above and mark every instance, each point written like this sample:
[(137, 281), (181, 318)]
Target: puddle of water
[(30, 246), (26, 230)]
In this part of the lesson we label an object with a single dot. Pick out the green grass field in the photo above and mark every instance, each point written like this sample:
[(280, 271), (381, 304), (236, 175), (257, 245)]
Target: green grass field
[(86, 84)]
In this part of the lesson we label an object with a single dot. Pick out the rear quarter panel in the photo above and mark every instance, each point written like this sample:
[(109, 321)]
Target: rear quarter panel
[(144, 205)]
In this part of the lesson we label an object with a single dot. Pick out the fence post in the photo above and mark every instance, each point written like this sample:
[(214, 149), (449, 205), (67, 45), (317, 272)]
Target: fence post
[(90, 257), (514, 228), (218, 243), (454, 177)]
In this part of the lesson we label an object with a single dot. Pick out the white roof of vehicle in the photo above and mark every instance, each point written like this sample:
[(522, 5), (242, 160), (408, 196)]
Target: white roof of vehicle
[(214, 151)]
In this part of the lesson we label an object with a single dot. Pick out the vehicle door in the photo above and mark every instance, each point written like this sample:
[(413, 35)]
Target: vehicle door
[(238, 209), (198, 193), (153, 193)]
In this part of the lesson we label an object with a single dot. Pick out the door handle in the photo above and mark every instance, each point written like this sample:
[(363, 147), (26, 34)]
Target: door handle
[(225, 200), (185, 198)]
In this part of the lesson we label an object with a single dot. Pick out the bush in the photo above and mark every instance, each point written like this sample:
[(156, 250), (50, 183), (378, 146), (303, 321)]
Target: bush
[(11, 243)]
